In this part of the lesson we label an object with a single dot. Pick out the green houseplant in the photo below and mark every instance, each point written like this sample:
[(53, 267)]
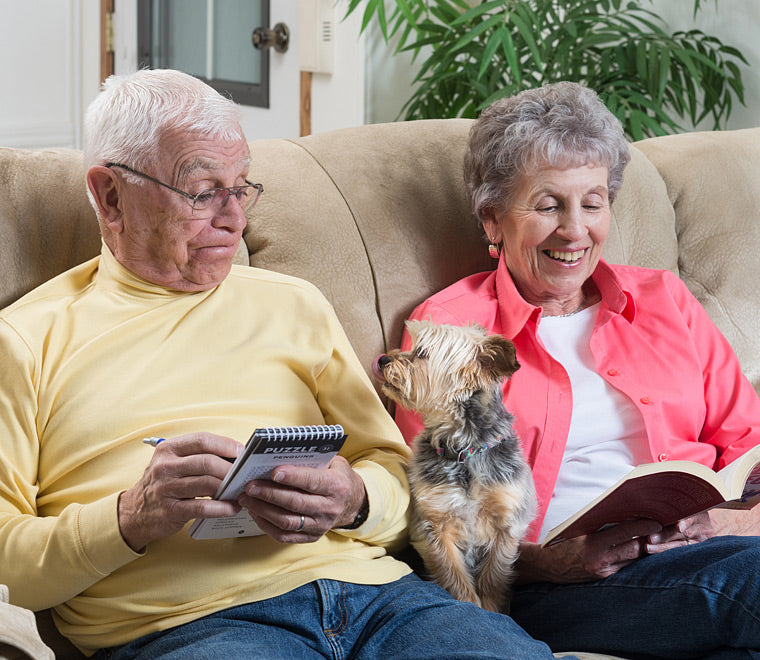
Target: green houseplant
[(472, 52)]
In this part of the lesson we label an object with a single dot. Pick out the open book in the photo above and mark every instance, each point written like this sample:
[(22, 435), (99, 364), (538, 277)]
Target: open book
[(667, 492), (308, 446)]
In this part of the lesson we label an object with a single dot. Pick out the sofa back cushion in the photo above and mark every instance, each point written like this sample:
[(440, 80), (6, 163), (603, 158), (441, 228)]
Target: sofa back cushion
[(712, 180), (375, 216), (46, 222)]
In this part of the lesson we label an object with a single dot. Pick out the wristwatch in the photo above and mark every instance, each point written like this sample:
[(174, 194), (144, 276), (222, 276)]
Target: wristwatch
[(361, 517)]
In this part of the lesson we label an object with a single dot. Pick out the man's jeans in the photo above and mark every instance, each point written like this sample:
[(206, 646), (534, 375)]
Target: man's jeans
[(696, 601), (409, 618)]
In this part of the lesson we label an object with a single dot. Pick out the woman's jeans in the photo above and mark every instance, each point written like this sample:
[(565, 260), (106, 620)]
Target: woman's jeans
[(408, 618), (696, 601)]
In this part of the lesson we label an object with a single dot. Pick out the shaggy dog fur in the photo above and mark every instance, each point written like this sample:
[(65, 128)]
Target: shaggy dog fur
[(472, 490)]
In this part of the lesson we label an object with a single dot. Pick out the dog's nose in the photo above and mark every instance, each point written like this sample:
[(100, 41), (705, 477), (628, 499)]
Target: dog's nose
[(377, 366)]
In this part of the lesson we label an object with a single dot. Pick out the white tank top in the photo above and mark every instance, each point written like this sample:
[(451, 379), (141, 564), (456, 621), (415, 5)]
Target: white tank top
[(607, 436)]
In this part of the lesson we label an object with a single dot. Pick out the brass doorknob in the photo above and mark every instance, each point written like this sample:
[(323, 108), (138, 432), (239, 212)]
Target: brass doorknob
[(277, 38)]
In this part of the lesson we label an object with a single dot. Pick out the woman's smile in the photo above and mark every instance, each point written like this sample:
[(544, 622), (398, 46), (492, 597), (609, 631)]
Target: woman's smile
[(565, 256)]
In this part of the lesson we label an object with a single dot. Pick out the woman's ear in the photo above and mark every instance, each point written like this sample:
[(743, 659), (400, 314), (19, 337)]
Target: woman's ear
[(491, 225), (104, 189)]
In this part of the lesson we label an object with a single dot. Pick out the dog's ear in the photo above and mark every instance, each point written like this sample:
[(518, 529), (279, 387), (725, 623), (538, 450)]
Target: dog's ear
[(498, 355)]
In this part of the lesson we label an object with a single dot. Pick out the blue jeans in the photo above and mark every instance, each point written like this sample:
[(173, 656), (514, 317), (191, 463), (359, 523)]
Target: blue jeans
[(409, 618), (697, 601)]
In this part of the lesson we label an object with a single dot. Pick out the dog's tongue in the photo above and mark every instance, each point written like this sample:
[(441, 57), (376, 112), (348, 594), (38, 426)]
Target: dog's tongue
[(376, 369)]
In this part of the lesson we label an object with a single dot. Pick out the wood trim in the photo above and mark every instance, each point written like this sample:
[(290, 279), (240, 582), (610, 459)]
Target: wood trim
[(305, 108), (106, 39)]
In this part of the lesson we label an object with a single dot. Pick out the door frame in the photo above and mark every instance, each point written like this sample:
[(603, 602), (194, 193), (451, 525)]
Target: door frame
[(106, 39)]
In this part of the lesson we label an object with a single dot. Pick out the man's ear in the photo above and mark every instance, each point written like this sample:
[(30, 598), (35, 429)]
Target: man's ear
[(104, 188)]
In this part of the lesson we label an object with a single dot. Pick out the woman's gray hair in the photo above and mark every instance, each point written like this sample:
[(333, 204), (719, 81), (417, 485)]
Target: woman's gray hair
[(126, 120), (558, 125)]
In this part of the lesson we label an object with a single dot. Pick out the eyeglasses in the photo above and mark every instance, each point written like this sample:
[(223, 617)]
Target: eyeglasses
[(211, 199)]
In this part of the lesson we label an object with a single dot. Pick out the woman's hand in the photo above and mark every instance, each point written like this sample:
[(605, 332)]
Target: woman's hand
[(684, 532), (586, 558), (300, 504), (736, 522)]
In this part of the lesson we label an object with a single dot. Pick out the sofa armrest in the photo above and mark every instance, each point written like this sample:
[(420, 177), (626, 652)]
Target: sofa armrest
[(19, 637)]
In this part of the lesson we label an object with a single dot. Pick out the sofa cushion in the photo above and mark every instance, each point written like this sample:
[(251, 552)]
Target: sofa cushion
[(712, 183), (398, 227), (48, 224), (642, 228), (19, 638)]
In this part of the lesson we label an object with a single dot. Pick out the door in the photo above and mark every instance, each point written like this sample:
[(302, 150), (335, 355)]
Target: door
[(212, 39)]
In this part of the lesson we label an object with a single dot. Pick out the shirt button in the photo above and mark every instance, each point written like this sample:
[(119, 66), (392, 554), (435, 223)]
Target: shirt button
[(612, 372), (662, 457), (645, 400)]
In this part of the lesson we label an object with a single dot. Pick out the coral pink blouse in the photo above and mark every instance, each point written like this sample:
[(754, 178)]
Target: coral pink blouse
[(652, 340)]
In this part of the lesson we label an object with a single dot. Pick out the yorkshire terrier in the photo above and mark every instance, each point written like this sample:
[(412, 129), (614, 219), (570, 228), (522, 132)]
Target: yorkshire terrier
[(472, 491)]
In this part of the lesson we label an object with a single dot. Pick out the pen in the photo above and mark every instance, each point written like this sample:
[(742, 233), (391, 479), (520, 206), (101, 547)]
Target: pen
[(153, 441)]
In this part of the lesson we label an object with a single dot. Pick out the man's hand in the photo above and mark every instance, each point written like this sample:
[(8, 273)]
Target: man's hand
[(585, 558), (326, 498), (181, 470)]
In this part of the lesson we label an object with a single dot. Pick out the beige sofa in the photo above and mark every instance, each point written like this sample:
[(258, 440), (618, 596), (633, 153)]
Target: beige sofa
[(376, 217)]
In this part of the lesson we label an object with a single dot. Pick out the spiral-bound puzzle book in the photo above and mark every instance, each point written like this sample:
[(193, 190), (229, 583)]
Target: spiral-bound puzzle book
[(308, 446)]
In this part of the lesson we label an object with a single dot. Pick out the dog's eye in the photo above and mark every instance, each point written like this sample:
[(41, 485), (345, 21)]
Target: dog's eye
[(420, 354)]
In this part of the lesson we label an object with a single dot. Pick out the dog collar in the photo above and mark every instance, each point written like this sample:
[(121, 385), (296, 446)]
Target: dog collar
[(463, 455)]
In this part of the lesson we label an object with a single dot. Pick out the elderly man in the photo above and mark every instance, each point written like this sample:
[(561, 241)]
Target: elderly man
[(161, 336)]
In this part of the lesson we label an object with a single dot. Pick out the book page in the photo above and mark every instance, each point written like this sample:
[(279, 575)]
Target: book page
[(743, 477)]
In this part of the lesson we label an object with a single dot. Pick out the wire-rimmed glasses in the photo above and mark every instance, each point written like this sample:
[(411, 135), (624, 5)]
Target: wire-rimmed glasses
[(211, 199)]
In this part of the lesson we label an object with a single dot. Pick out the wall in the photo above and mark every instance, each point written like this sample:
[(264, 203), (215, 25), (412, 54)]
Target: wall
[(735, 22), (339, 99), (50, 50)]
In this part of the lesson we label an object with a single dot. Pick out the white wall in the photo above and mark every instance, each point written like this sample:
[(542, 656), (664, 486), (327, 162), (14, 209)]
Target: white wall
[(735, 22), (51, 65), (338, 99)]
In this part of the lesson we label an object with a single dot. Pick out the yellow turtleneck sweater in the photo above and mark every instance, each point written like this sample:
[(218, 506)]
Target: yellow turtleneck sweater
[(96, 359)]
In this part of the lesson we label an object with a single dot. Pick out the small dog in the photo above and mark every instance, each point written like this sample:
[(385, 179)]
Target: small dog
[(472, 491)]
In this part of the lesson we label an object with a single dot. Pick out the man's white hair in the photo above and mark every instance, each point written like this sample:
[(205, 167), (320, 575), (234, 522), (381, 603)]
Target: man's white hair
[(126, 120)]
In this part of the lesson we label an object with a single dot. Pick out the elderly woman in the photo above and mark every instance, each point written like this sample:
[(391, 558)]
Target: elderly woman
[(620, 366)]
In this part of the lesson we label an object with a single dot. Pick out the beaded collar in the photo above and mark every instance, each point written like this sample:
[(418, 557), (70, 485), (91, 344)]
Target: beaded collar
[(462, 456)]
